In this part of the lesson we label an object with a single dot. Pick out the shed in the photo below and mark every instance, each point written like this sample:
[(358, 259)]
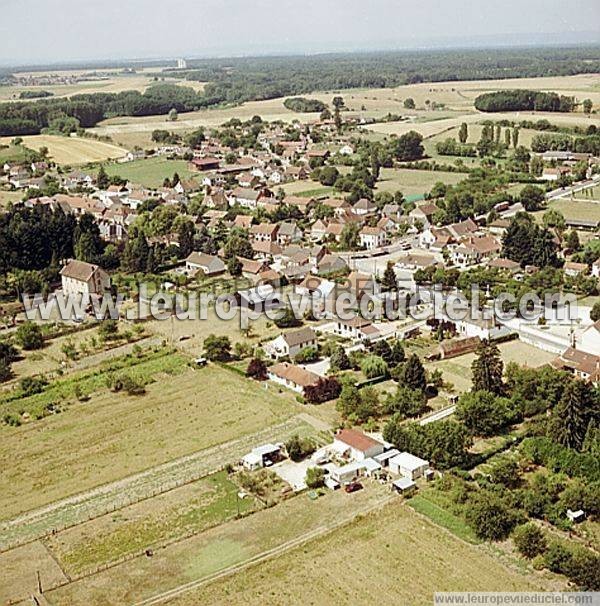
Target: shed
[(403, 485), (408, 465)]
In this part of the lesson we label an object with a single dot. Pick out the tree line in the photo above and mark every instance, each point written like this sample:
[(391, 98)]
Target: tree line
[(524, 100)]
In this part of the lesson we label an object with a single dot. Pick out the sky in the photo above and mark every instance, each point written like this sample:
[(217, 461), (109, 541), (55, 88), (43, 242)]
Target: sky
[(48, 31)]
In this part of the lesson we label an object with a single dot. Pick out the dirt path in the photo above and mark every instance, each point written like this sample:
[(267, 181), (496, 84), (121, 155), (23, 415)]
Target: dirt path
[(116, 495)]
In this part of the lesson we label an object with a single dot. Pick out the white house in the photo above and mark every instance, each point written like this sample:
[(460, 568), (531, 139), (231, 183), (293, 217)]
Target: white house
[(356, 445), (291, 343), (292, 376), (80, 278), (372, 237), (590, 339), (408, 465)]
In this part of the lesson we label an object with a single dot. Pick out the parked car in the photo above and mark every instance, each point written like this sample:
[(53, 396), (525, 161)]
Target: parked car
[(353, 487)]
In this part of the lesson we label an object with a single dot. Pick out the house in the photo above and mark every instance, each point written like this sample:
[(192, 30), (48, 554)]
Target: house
[(583, 365), (473, 250), (596, 269), (408, 465), (243, 221), (554, 174), (504, 265), (291, 343), (292, 376), (573, 269), (457, 347), (590, 339), (216, 199), (331, 264), (251, 268), (356, 328), (248, 198), (264, 232), (85, 279), (364, 207), (208, 264), (288, 233), (372, 237), (355, 445), (423, 213), (339, 206)]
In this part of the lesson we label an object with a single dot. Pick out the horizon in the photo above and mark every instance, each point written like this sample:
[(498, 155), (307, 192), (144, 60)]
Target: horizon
[(64, 32)]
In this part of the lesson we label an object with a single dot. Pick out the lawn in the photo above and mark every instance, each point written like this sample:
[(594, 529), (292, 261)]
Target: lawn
[(72, 150), (414, 182), (579, 209), (392, 556), (150, 172), (148, 524), (115, 435), (6, 197)]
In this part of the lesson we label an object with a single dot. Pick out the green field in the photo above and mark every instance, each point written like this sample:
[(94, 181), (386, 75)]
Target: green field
[(150, 172), (580, 209), (414, 182)]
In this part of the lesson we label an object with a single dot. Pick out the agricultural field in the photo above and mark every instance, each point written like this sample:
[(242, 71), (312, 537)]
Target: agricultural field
[(229, 544), (150, 172), (72, 150), (457, 97), (8, 197), (414, 184), (458, 370), (114, 83), (111, 436), (577, 209), (361, 560)]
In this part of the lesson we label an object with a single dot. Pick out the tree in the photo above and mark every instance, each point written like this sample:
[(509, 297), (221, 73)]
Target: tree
[(173, 115), (102, 179), (489, 516), (595, 313), (572, 241), (307, 355), (315, 477), (238, 245), (587, 106), (507, 138), (257, 369), (299, 448), (505, 471), (409, 103), (108, 330), (413, 373), (515, 137), (374, 366), (5, 370), (217, 349), (463, 133), (29, 336), (234, 267), (532, 198), (398, 355), (406, 402), (408, 147), (488, 368), (185, 235), (483, 412), (338, 102), (339, 360), (324, 390), (349, 236), (389, 282), (571, 416), (530, 540), (287, 319)]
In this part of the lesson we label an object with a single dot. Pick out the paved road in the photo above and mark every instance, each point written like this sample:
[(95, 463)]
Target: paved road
[(438, 415)]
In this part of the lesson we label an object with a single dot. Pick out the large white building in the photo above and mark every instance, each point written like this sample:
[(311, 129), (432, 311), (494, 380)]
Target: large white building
[(85, 279)]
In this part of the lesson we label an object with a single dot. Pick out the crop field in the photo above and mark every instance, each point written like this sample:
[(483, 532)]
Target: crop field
[(360, 564), (458, 370), (149, 523), (414, 182), (112, 436), (230, 544), (150, 172), (72, 150)]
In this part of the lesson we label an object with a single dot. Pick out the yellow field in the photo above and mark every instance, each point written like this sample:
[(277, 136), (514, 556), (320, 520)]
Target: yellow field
[(72, 150)]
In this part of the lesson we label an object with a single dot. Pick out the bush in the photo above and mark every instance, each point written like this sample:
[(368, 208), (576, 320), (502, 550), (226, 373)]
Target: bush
[(489, 516), (557, 557), (299, 448), (109, 330), (257, 369), (324, 390), (29, 336), (374, 366), (315, 477), (307, 355), (217, 349), (127, 383), (32, 385), (529, 540)]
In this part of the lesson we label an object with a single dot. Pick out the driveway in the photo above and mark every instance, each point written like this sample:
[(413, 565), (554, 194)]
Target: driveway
[(293, 473)]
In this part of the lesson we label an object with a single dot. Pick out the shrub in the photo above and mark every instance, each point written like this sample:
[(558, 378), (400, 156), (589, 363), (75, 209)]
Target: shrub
[(557, 557), (489, 516), (32, 385), (529, 540), (307, 355), (324, 390), (374, 366), (299, 448), (257, 369), (29, 336), (315, 477)]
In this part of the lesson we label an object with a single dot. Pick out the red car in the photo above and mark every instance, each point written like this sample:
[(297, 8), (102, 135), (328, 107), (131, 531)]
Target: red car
[(353, 487)]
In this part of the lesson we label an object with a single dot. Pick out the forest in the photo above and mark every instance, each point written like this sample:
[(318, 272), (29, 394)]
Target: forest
[(524, 100)]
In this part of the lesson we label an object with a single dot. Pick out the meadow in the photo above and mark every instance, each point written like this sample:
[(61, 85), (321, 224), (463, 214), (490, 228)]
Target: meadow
[(150, 172)]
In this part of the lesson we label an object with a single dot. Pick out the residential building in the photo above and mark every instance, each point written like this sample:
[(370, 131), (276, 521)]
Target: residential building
[(355, 445), (291, 343), (292, 376), (85, 279), (207, 264)]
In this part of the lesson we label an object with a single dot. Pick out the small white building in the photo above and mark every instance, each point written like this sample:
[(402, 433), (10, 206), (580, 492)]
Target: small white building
[(261, 456), (292, 376), (356, 445), (207, 264), (408, 465), (372, 237)]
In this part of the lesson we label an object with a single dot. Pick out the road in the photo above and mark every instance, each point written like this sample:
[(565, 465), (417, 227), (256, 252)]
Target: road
[(438, 415), (566, 192)]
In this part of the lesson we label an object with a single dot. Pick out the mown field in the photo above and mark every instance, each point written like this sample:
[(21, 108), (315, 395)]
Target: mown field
[(393, 556), (150, 172), (72, 150), (579, 209), (111, 436), (414, 183)]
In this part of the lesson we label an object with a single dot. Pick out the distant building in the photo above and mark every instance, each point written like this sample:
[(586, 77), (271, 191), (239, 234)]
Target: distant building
[(181, 64)]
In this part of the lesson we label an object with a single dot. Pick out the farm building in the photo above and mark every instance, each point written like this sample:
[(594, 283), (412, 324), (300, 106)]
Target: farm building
[(408, 465), (356, 445), (262, 456)]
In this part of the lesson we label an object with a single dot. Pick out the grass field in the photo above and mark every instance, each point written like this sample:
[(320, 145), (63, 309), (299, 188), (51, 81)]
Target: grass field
[(150, 523), (414, 182), (458, 370), (6, 197), (393, 556), (150, 172), (72, 150), (581, 209), (112, 435)]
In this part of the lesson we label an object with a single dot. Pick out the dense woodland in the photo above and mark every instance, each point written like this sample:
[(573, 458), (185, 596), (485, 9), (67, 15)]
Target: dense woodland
[(524, 100)]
